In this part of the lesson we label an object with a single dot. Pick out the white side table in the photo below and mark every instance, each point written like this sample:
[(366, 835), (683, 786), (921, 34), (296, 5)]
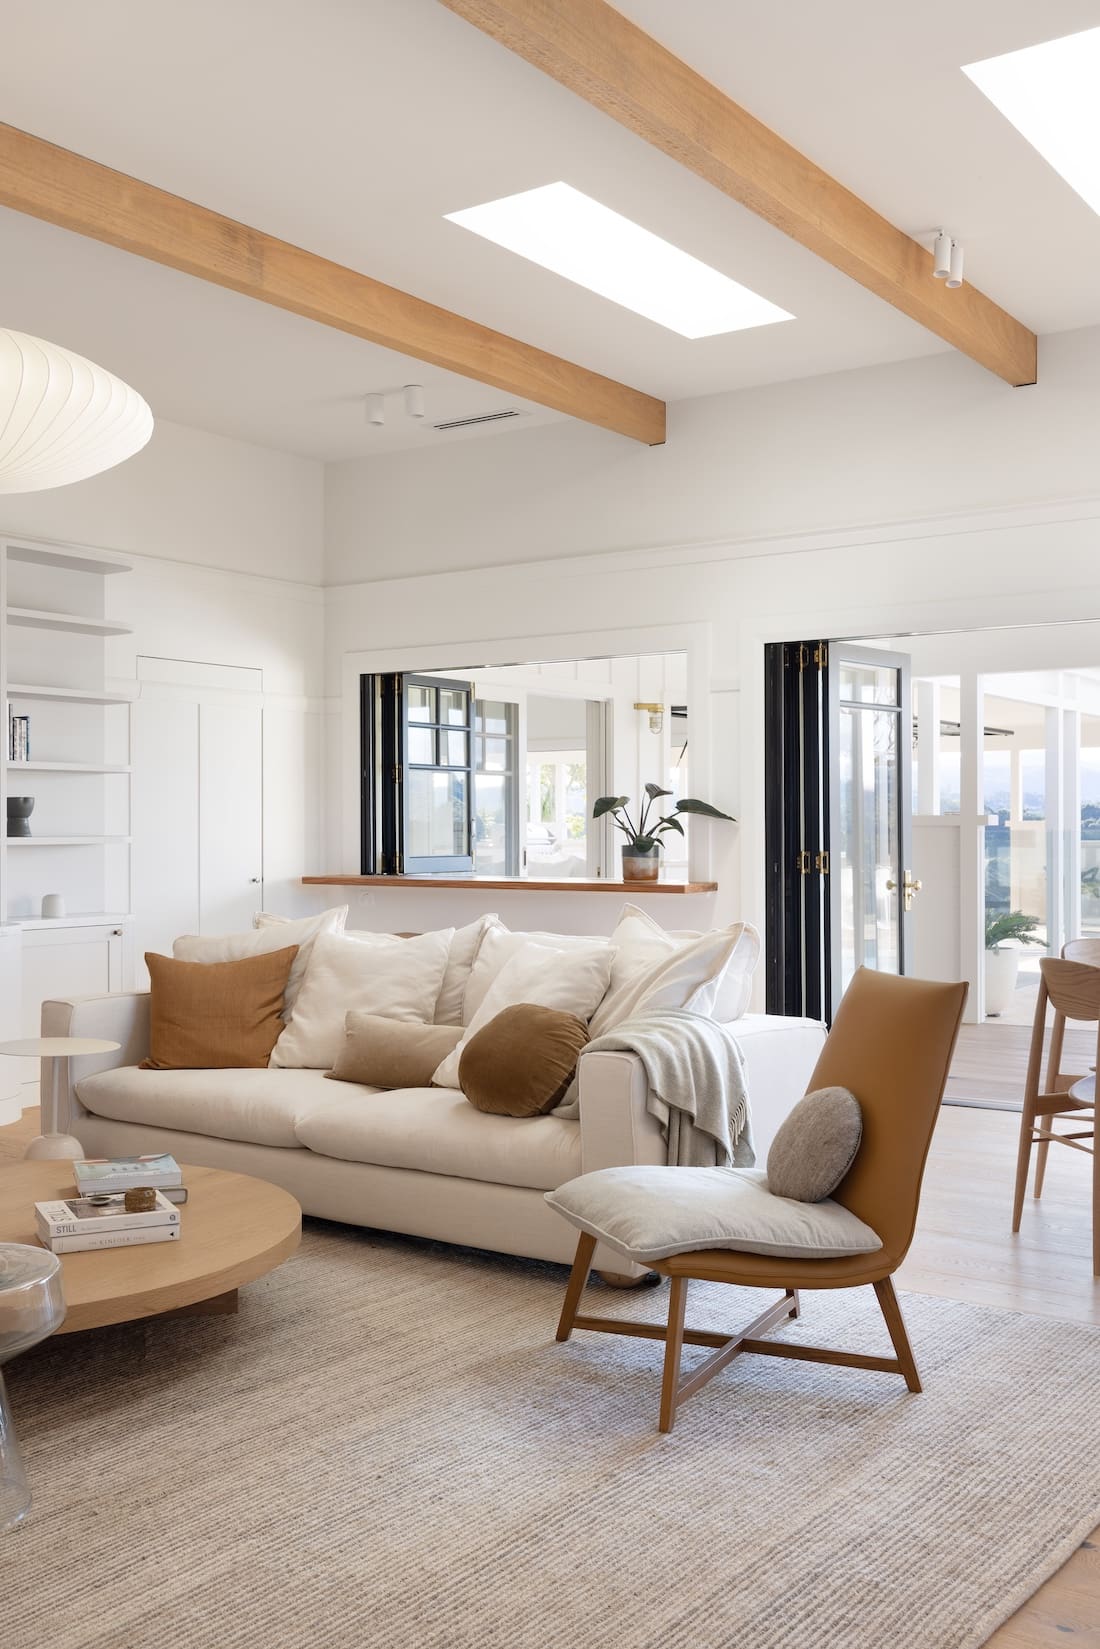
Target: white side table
[(54, 1052)]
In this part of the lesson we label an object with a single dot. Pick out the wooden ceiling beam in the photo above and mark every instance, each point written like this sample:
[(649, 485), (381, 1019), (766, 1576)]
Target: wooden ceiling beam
[(63, 188), (603, 57)]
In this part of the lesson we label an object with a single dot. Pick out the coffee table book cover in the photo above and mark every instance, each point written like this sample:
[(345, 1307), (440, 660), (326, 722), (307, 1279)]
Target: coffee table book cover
[(79, 1216), (120, 1173)]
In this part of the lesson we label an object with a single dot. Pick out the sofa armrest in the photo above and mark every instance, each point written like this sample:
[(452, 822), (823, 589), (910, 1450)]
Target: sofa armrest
[(122, 1017), (616, 1128)]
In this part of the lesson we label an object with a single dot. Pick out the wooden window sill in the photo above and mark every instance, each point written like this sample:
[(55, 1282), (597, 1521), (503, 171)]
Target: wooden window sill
[(510, 884)]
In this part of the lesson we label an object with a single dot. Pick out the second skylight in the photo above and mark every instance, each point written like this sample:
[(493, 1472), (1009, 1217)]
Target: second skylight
[(576, 237)]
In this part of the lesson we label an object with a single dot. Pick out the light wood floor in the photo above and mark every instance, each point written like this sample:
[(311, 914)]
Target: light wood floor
[(991, 1060), (964, 1250)]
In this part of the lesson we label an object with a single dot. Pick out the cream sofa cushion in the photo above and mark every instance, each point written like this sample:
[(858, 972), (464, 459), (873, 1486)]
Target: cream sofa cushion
[(269, 933), (460, 960), (641, 942), (689, 976), (647, 1214), (499, 946), (573, 981), (260, 1105), (438, 1132), (377, 974)]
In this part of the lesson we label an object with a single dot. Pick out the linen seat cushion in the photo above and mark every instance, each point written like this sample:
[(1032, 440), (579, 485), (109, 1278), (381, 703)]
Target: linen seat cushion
[(436, 1131), (260, 1106), (648, 1214)]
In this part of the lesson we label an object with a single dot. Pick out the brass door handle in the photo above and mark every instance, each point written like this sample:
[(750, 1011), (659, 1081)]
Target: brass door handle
[(910, 886)]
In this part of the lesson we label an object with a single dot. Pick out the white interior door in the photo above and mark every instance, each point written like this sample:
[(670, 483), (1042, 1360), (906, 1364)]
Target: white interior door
[(165, 793), (230, 816)]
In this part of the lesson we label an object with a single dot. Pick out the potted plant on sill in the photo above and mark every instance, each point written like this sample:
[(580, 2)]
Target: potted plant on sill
[(642, 848), (1002, 966)]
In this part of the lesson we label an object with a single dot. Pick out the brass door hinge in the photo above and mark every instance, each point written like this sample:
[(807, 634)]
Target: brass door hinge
[(803, 862), (821, 860), (821, 655), (803, 655)]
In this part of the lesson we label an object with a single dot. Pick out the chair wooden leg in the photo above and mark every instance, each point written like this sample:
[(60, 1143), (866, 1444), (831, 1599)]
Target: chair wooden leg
[(895, 1322), (582, 1265), (1041, 1154), (796, 1303), (1023, 1157), (674, 1344)]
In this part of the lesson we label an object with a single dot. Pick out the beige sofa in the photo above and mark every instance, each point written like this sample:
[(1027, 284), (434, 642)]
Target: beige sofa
[(420, 1161)]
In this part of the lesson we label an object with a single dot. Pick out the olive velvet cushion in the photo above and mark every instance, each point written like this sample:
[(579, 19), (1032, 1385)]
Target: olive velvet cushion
[(215, 1015), (522, 1061), (391, 1053), (815, 1146)]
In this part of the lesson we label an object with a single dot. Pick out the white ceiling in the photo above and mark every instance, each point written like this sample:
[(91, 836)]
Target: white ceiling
[(351, 127)]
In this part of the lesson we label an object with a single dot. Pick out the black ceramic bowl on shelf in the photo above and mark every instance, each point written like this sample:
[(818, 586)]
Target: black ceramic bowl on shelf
[(20, 809)]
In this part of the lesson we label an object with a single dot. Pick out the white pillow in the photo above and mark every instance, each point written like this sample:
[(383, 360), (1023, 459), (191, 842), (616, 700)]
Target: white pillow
[(378, 973), (269, 933), (572, 980), (641, 940), (498, 946), (647, 1214), (688, 976), (464, 948)]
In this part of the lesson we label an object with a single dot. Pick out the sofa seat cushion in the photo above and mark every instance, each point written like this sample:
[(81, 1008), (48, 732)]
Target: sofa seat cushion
[(262, 1107), (438, 1132)]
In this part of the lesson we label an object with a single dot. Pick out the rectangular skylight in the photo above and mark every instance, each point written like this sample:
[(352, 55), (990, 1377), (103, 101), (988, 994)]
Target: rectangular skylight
[(1049, 93), (574, 236)]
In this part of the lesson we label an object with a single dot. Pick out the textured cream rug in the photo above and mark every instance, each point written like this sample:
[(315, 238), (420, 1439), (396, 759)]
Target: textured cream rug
[(387, 1450)]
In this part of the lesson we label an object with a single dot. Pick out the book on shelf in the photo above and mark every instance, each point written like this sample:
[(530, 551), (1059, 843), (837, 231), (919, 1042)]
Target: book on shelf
[(84, 1241), (19, 737), (85, 1216), (120, 1173)]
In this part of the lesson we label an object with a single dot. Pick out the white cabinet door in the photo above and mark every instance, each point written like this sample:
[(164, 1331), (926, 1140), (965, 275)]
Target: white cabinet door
[(230, 816), (68, 962), (165, 863)]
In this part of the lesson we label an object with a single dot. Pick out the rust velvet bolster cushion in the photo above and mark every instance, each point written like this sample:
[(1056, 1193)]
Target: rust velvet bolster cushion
[(215, 1015), (391, 1053), (522, 1061)]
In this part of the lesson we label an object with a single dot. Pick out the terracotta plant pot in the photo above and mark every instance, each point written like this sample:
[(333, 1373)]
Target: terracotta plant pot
[(641, 865)]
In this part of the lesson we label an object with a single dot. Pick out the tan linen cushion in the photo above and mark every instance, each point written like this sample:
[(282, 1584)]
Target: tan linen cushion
[(215, 1015), (391, 1053), (522, 1061), (816, 1145), (650, 1213)]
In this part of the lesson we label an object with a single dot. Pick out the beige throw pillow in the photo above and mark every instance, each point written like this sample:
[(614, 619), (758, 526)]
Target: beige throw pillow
[(215, 1015), (391, 1053), (641, 942), (816, 1145), (498, 947)]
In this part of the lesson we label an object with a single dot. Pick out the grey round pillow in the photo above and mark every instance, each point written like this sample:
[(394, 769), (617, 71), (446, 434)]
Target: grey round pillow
[(816, 1146)]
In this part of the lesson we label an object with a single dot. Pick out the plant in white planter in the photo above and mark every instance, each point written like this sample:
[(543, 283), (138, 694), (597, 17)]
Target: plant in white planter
[(1002, 965), (641, 850)]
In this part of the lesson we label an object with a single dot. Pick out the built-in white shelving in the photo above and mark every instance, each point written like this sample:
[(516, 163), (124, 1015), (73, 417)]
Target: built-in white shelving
[(37, 618), (63, 841), (85, 919), (69, 558), (65, 767), (74, 695)]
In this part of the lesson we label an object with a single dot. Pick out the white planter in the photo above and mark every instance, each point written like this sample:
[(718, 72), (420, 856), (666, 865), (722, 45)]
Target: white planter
[(1002, 968)]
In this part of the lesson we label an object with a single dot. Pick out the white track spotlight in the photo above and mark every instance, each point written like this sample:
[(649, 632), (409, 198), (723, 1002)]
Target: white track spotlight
[(955, 277), (376, 409), (414, 400), (941, 256)]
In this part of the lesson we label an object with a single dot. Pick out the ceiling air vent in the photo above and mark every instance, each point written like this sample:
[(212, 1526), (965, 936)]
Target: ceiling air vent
[(479, 418)]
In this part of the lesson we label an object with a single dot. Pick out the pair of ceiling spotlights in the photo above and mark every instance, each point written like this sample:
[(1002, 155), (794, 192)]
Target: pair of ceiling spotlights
[(947, 259), (414, 404)]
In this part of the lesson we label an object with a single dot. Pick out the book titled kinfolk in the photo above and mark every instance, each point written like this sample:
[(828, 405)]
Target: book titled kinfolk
[(110, 1239), (120, 1173), (84, 1217)]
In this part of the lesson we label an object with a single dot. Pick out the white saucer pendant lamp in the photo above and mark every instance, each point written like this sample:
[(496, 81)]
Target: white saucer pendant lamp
[(62, 418)]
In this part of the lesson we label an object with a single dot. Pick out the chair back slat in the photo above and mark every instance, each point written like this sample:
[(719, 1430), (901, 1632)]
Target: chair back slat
[(891, 1045), (1082, 950), (1072, 987)]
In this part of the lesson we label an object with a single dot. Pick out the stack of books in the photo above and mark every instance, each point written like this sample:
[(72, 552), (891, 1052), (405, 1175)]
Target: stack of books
[(73, 1224), (163, 1173), (19, 737)]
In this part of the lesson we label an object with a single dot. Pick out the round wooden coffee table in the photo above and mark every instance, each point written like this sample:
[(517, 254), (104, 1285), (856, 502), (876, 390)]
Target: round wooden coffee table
[(233, 1229)]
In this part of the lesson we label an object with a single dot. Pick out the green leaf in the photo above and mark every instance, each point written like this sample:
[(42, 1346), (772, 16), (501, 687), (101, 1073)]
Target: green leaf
[(670, 822), (688, 804), (646, 844), (608, 804), (654, 790)]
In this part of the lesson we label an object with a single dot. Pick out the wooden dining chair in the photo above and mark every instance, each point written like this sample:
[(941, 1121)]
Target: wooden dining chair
[(890, 1045), (1082, 950), (1072, 989)]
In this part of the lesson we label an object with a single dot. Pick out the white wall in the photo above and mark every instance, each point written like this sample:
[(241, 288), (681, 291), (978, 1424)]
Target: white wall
[(903, 442), (193, 497)]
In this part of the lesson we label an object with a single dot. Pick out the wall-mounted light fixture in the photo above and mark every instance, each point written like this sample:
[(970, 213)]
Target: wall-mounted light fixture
[(376, 409), (656, 714), (412, 396), (947, 257)]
